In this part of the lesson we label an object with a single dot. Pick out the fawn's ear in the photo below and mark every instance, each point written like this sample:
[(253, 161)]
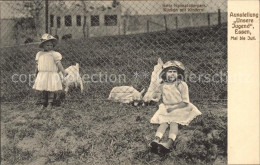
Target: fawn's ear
[(77, 65), (160, 62)]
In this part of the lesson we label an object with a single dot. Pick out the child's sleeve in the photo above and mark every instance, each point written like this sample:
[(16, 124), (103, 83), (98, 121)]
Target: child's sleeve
[(37, 57), (57, 57), (184, 92)]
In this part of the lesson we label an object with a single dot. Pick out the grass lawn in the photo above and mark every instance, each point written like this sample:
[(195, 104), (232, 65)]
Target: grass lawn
[(103, 132)]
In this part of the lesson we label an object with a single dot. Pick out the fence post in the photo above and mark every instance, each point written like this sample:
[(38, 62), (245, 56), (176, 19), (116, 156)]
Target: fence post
[(118, 26), (124, 27), (208, 19), (176, 22), (88, 30), (219, 17), (148, 28), (165, 21), (46, 15)]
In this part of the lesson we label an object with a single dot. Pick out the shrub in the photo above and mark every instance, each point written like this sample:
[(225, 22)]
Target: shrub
[(204, 140)]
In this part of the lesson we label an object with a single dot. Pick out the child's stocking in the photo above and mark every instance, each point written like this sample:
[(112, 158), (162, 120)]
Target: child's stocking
[(161, 130), (50, 97), (173, 130)]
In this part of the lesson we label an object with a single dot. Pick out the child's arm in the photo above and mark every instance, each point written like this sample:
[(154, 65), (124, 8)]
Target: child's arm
[(36, 64), (57, 58), (60, 67), (36, 69), (177, 106)]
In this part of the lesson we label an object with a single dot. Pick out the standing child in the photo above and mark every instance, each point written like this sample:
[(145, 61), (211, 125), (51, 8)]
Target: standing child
[(48, 63), (175, 108)]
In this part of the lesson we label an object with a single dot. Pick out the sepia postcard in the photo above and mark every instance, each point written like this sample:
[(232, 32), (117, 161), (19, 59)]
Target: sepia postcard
[(130, 82)]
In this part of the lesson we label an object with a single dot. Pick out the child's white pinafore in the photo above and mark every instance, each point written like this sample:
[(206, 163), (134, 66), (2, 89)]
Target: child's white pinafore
[(48, 78), (174, 93)]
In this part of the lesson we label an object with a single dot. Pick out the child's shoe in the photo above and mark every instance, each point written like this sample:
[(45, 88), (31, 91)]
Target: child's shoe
[(154, 145), (165, 148)]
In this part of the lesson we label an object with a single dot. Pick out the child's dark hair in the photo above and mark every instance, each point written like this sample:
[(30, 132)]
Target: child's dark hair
[(179, 71)]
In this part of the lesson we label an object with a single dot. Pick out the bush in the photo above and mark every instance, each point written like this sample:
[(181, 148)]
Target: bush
[(66, 37), (28, 40), (204, 140)]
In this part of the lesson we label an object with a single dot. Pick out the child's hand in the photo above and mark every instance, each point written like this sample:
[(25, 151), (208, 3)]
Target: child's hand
[(169, 110)]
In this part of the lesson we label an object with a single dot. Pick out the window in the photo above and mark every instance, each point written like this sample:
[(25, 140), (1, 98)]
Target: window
[(68, 21), (58, 22), (51, 20), (94, 20), (85, 19), (78, 20), (110, 20)]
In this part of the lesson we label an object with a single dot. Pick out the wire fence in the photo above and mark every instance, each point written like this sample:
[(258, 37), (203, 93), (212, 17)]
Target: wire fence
[(116, 43)]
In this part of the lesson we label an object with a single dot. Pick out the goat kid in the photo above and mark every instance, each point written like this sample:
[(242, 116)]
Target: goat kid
[(126, 94), (73, 78)]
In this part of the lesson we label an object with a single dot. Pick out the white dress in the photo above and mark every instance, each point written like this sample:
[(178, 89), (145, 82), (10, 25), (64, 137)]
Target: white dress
[(172, 94), (48, 78)]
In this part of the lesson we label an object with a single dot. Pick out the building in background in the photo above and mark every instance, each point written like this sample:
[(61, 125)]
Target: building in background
[(84, 20), (24, 21)]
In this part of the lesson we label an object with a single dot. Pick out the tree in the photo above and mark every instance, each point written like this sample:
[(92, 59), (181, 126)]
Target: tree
[(22, 28), (115, 3), (32, 9)]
